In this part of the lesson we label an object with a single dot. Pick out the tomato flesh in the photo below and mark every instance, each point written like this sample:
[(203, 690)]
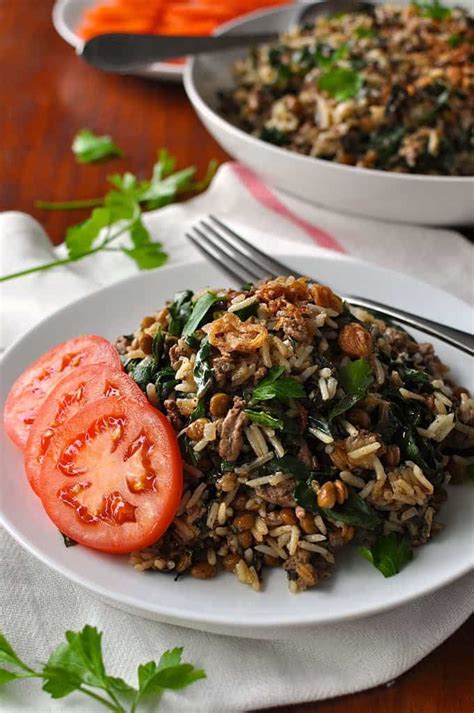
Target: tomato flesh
[(68, 396), (36, 382), (112, 476)]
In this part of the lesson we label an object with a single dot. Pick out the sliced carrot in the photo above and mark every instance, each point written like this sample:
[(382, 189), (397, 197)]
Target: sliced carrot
[(191, 17)]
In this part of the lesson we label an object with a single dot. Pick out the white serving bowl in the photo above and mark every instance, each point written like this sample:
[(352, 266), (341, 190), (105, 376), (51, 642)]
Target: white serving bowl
[(406, 198)]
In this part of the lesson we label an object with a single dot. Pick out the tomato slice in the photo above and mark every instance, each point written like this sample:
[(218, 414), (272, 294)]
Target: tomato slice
[(68, 396), (32, 387), (112, 476)]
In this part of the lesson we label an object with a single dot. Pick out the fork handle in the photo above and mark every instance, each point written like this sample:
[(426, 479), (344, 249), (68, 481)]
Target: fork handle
[(455, 337)]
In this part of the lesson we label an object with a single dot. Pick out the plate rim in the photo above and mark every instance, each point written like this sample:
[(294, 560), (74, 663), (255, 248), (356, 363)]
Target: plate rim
[(215, 620), (163, 70)]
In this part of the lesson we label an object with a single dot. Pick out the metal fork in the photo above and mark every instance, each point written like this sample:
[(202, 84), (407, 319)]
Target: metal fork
[(244, 263)]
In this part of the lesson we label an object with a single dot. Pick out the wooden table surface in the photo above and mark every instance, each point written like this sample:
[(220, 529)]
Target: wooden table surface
[(46, 95)]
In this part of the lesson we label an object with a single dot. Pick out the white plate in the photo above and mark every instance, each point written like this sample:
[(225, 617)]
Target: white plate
[(67, 15), (223, 605), (429, 200)]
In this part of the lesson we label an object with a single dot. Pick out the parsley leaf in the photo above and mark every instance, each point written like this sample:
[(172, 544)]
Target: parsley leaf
[(88, 147), (362, 32), (276, 386), (356, 377), (433, 9), (169, 673), (454, 40), (200, 309), (340, 83), (77, 665), (389, 554)]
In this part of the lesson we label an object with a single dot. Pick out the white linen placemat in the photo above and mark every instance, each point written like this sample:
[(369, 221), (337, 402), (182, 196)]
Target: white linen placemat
[(38, 605)]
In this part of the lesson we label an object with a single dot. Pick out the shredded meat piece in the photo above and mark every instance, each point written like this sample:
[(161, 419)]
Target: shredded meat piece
[(302, 416), (179, 350), (279, 494), (305, 455), (122, 343), (174, 416), (222, 365), (431, 362), (232, 439), (291, 320)]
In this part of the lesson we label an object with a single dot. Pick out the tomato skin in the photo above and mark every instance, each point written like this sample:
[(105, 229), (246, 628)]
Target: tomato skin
[(69, 395), (36, 382), (112, 477)]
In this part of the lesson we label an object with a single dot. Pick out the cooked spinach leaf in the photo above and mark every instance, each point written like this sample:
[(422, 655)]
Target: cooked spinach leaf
[(157, 344), (316, 421), (200, 309), (346, 403), (291, 465), (306, 497), (355, 511), (246, 312), (389, 554), (179, 310), (144, 372), (165, 382), (202, 368)]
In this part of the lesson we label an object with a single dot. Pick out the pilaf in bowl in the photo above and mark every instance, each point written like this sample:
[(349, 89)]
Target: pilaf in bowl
[(390, 87)]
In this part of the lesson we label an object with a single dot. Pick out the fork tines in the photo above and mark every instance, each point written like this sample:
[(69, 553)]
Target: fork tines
[(232, 253)]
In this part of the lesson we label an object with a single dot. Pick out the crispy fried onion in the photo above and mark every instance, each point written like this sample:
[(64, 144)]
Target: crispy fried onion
[(288, 288), (230, 334)]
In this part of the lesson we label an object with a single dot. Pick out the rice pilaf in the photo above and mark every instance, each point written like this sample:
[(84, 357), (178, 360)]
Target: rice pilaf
[(303, 425), (387, 87)]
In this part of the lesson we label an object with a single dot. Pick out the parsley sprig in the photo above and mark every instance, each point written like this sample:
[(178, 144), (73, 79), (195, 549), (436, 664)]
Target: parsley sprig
[(120, 214), (87, 147), (78, 666)]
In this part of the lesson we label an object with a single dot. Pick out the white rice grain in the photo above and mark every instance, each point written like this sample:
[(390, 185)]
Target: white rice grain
[(364, 451), (237, 303), (351, 479), (256, 440)]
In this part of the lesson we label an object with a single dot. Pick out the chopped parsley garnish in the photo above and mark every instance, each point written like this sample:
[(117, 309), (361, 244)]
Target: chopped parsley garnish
[(389, 554), (362, 32), (264, 419), (277, 386), (433, 9), (341, 83)]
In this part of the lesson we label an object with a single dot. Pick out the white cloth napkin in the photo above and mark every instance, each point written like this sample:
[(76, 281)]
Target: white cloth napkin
[(38, 605)]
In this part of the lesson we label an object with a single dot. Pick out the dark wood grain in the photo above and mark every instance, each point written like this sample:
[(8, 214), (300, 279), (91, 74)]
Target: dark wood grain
[(46, 95)]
